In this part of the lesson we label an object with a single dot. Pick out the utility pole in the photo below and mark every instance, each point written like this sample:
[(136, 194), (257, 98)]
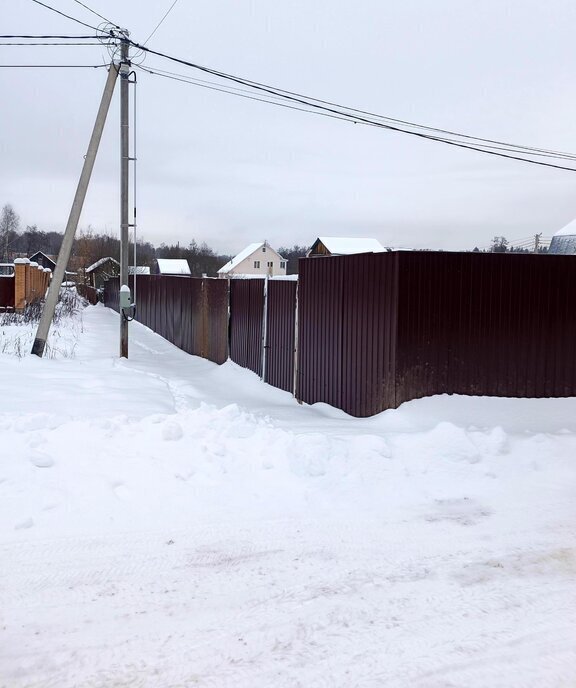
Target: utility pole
[(537, 242), (74, 217), (124, 200)]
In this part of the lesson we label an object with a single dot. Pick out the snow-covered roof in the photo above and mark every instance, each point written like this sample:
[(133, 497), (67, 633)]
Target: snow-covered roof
[(100, 262), (345, 246), (173, 266), (246, 253), (285, 278), (570, 229)]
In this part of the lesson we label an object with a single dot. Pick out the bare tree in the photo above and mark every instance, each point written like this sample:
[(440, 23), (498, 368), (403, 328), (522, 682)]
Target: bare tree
[(9, 224)]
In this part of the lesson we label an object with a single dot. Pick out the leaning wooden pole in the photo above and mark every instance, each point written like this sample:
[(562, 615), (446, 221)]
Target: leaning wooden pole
[(74, 217)]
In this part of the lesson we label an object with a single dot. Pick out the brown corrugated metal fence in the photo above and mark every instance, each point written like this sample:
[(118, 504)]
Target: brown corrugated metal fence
[(280, 332), (347, 332), (376, 330), (246, 319), (190, 312)]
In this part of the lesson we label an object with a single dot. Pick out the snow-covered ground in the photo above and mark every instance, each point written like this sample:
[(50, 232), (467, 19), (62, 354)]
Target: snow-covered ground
[(168, 523)]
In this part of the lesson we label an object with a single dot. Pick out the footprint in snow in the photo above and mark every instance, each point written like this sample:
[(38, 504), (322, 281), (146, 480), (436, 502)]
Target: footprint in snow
[(25, 524), (41, 460)]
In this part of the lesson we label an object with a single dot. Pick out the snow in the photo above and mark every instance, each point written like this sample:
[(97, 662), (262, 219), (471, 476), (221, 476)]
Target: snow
[(245, 253), (168, 522), (101, 261), (173, 266), (568, 230), (341, 246)]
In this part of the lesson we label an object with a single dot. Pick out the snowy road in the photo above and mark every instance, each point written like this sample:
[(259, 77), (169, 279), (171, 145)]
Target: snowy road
[(167, 523)]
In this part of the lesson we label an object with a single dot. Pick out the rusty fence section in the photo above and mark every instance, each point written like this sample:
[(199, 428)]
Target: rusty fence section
[(192, 313), (365, 333)]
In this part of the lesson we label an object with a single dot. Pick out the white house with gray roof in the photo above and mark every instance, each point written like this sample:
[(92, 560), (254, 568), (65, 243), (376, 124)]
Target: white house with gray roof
[(256, 260)]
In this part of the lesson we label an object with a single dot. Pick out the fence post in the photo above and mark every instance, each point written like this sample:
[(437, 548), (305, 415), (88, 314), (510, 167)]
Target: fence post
[(296, 357), (265, 330)]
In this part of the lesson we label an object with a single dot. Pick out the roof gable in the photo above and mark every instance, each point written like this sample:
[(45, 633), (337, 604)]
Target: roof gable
[(173, 266), (101, 262), (246, 253), (345, 246)]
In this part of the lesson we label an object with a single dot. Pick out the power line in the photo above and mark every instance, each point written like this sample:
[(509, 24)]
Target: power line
[(53, 9), (479, 144), (53, 45), (335, 114), (50, 66), (36, 36), (96, 13), (161, 21), (231, 90)]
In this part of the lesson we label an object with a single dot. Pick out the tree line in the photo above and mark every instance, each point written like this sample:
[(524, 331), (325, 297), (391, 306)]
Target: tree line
[(90, 246)]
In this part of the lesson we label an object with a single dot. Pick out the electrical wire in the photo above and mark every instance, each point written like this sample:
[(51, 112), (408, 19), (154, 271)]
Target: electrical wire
[(232, 90), (94, 12), (161, 22), (51, 44), (48, 36), (342, 115), (50, 66), (53, 9), (489, 146)]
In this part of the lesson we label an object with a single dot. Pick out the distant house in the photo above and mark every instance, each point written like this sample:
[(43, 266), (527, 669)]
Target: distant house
[(101, 270), (344, 246), (43, 260), (173, 266), (256, 260)]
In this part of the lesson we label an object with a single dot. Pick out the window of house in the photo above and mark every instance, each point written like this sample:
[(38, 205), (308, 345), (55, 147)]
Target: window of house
[(263, 249), (282, 265), (256, 263), (270, 264)]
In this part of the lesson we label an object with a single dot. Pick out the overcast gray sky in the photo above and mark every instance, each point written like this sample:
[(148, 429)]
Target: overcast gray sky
[(230, 171)]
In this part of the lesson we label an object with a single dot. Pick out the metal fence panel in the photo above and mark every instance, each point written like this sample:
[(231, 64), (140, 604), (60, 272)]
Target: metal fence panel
[(280, 331), (347, 332), (477, 324), (177, 309), (320, 293), (216, 315), (246, 315)]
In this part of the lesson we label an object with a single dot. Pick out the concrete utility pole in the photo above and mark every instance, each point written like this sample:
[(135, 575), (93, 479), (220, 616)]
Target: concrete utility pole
[(537, 242), (74, 217), (124, 199)]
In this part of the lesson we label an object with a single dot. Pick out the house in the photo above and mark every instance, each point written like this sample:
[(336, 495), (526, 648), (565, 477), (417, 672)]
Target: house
[(564, 241), (43, 260), (97, 273), (256, 260), (344, 246), (173, 266)]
